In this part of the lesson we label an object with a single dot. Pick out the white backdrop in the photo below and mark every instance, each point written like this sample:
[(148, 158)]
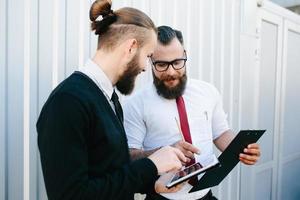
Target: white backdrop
[(250, 53)]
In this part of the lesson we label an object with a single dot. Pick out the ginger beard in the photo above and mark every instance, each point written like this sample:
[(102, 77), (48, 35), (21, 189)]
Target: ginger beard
[(126, 82)]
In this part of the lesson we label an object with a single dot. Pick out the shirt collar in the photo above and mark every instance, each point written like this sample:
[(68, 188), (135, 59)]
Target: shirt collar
[(96, 73)]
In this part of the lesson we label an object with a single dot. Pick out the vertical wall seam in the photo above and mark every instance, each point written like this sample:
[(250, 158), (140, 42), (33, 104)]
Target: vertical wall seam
[(277, 108), (38, 95), (212, 43), (81, 34), (55, 51), (222, 46), (200, 61), (65, 39), (6, 100), (282, 104), (232, 75), (26, 103)]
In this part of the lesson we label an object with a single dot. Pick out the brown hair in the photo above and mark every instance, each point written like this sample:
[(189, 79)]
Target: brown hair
[(119, 25)]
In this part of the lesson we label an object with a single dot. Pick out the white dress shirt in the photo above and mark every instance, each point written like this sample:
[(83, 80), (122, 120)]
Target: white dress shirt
[(94, 72), (149, 121)]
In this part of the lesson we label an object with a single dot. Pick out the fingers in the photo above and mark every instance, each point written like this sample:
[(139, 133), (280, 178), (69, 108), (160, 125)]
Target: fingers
[(253, 146), (180, 155), (178, 187), (188, 160), (252, 150), (167, 158), (163, 189), (160, 184), (189, 147), (251, 154), (255, 152), (188, 154), (248, 159), (247, 162)]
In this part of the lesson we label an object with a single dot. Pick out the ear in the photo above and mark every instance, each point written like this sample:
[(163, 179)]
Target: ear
[(131, 47)]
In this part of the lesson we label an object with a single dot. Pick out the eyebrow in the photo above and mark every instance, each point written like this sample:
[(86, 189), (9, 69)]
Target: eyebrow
[(184, 54), (164, 61)]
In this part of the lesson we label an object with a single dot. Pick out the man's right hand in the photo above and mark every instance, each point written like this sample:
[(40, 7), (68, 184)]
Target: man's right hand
[(187, 149), (167, 159)]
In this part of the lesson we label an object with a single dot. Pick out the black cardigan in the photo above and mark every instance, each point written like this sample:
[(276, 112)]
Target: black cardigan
[(83, 146)]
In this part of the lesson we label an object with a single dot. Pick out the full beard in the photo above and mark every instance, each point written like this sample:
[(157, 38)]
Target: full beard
[(170, 92), (126, 82)]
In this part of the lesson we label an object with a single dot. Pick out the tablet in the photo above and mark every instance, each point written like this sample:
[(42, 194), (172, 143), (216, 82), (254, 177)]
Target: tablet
[(228, 159), (193, 170)]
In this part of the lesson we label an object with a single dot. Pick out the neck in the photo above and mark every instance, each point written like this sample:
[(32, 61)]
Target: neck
[(107, 62)]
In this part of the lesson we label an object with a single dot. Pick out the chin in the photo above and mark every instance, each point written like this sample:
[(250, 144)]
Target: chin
[(171, 85)]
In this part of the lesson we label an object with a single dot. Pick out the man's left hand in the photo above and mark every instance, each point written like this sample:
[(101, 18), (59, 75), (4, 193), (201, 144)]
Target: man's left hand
[(160, 184), (251, 154)]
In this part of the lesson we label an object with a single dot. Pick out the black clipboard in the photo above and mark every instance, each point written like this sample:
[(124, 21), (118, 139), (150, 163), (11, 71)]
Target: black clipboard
[(228, 159)]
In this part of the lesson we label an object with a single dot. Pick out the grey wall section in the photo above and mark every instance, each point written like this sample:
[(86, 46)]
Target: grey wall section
[(3, 98), (43, 42), (290, 135), (33, 37), (14, 106), (269, 101)]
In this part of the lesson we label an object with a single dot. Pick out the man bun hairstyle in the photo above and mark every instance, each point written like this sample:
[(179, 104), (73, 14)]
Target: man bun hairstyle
[(102, 10), (114, 26)]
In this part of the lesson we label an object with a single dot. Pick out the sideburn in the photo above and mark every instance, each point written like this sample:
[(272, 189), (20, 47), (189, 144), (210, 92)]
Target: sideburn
[(126, 82)]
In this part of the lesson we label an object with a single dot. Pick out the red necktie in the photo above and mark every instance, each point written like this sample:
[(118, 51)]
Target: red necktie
[(184, 123)]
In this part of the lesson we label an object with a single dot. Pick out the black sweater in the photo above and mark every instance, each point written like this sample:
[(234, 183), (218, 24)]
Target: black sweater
[(83, 146)]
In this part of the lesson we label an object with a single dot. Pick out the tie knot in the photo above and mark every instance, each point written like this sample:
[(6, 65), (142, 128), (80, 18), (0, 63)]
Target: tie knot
[(179, 100), (118, 107), (114, 96)]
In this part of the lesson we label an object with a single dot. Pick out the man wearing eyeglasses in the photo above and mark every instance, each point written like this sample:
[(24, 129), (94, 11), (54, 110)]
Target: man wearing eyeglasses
[(178, 111)]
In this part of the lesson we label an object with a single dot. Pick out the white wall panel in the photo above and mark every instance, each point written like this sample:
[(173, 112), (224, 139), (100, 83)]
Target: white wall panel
[(263, 184), (289, 157), (43, 42), (263, 99), (276, 63), (15, 93), (3, 97)]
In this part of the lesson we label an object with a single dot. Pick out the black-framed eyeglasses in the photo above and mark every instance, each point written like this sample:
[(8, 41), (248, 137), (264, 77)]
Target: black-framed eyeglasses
[(162, 66)]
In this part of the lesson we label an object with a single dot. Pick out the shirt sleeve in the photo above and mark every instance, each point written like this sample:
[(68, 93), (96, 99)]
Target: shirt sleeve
[(134, 123), (62, 140), (219, 118)]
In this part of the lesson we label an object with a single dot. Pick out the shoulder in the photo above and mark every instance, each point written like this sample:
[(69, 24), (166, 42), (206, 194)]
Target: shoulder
[(75, 88), (78, 86), (202, 87), (139, 96)]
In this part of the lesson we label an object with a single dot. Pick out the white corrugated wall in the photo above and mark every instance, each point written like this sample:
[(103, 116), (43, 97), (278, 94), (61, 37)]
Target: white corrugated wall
[(250, 53)]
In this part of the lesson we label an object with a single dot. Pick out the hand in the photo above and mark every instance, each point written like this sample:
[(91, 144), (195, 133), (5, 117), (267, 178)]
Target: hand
[(160, 184), (167, 158), (251, 154), (187, 149)]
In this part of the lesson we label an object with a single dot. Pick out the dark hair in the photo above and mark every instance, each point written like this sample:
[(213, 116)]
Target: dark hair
[(166, 34), (118, 25)]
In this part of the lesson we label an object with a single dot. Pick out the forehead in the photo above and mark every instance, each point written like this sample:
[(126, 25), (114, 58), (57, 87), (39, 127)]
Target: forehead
[(168, 52)]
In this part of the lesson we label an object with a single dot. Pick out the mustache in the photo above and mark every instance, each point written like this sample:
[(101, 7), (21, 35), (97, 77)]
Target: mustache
[(169, 78), (166, 92)]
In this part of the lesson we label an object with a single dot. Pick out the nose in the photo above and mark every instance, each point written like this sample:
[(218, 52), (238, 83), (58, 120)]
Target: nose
[(171, 70)]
